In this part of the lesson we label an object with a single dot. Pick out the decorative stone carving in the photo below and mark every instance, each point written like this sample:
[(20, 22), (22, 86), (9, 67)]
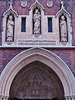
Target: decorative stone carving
[(34, 86), (37, 4), (10, 10), (63, 29), (49, 4), (10, 29), (24, 3), (9, 23), (4, 97), (70, 97), (37, 22), (63, 10)]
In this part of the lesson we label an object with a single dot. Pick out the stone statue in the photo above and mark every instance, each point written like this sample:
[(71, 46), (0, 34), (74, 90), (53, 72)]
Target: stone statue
[(10, 29), (37, 18), (63, 29)]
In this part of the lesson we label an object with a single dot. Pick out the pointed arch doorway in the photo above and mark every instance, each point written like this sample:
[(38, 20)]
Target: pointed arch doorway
[(50, 76), (36, 81)]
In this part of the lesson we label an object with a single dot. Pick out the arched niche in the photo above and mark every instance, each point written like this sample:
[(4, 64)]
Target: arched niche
[(36, 81), (41, 55), (67, 21), (12, 23), (63, 21), (36, 19), (10, 38), (36, 22)]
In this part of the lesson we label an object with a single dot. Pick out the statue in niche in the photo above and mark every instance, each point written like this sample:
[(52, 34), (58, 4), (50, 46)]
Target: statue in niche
[(63, 29), (10, 29), (36, 18)]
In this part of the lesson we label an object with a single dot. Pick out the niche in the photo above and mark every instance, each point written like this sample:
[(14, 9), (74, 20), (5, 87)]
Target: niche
[(36, 22), (63, 29), (10, 24)]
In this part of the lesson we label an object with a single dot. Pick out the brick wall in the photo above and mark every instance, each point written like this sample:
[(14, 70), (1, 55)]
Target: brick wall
[(67, 55)]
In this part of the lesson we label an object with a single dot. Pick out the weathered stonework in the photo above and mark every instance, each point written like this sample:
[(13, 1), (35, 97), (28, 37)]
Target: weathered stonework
[(56, 62), (37, 37)]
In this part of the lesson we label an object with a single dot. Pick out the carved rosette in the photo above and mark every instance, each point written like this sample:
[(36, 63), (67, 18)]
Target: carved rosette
[(23, 4), (49, 4)]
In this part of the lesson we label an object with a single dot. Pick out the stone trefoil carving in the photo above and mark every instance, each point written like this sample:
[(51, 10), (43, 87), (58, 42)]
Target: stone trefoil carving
[(63, 29), (37, 22), (10, 29), (49, 4), (23, 4)]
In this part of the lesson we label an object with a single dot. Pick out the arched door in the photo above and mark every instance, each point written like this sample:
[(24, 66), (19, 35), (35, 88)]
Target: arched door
[(36, 81)]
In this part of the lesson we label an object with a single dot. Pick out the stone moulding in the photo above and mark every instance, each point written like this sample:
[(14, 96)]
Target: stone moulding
[(62, 10), (10, 10), (36, 3)]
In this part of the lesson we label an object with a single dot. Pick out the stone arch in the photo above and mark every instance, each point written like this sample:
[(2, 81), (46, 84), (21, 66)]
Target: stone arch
[(44, 56), (36, 80)]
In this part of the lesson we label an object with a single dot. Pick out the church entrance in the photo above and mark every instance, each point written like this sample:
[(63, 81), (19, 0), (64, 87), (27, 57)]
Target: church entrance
[(36, 81)]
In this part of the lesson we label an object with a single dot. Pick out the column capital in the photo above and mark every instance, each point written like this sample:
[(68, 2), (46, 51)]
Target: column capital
[(3, 97), (70, 97), (73, 97)]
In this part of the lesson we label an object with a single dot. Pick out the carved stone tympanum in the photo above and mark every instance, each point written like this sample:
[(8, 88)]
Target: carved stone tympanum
[(34, 86), (36, 83)]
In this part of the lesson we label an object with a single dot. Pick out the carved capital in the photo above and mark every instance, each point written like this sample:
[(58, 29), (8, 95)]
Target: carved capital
[(3, 97), (73, 97), (68, 98)]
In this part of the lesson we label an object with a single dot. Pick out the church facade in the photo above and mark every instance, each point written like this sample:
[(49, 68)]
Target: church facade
[(37, 49)]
